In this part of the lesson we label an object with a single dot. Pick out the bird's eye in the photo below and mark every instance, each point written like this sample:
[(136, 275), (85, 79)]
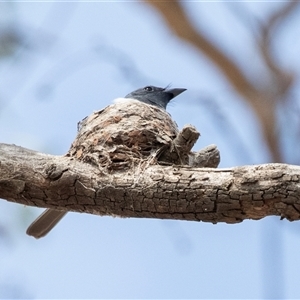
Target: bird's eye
[(148, 88)]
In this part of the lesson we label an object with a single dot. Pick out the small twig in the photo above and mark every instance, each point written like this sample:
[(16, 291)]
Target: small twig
[(283, 78)]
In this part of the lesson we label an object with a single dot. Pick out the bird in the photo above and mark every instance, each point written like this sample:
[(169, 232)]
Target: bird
[(156, 96), (151, 95)]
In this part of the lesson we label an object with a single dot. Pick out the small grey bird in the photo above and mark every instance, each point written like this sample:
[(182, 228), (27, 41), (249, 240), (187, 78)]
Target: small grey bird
[(155, 96), (151, 95)]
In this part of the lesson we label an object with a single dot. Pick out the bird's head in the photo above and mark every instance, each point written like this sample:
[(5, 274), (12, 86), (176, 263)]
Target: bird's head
[(155, 95)]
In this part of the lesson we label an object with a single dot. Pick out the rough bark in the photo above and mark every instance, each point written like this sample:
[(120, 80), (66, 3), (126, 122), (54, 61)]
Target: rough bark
[(165, 192), (130, 160)]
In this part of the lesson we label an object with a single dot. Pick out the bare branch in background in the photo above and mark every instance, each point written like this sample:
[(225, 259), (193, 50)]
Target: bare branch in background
[(10, 40), (179, 22), (282, 79), (262, 100)]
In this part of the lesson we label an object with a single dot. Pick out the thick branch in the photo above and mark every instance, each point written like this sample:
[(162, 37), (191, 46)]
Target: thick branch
[(185, 193)]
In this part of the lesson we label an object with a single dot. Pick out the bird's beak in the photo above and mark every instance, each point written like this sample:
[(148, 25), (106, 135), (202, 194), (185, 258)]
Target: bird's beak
[(175, 92)]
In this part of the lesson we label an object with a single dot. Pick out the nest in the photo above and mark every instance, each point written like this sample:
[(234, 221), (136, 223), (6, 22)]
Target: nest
[(122, 135)]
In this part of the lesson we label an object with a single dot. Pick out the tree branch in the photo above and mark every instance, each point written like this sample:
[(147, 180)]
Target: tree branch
[(164, 192), (116, 166), (177, 20), (283, 79)]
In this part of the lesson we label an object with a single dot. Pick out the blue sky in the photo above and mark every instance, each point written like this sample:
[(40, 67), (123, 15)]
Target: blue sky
[(76, 58)]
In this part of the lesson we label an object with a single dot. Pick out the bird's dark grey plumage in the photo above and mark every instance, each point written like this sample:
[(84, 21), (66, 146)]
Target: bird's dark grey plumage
[(155, 95), (151, 95)]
